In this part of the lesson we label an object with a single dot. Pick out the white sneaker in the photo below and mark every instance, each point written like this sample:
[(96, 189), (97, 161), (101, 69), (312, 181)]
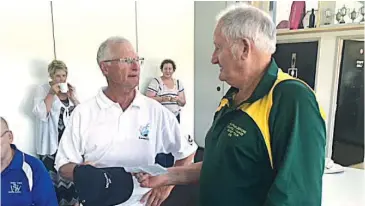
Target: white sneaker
[(331, 167)]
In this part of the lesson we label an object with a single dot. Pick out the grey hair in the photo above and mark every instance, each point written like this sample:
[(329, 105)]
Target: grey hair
[(104, 48), (244, 21), (3, 123)]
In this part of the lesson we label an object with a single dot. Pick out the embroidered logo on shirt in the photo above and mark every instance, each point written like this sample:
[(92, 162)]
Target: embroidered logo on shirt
[(144, 131), (15, 187), (234, 130)]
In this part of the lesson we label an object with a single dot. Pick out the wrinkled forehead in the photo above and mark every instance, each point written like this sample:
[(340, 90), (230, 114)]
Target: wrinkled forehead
[(218, 36), (122, 50)]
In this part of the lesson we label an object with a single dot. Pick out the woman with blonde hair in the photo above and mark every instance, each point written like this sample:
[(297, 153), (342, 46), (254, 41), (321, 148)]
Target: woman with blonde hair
[(53, 104)]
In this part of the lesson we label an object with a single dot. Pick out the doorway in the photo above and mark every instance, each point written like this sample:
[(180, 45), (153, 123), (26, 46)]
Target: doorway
[(348, 139)]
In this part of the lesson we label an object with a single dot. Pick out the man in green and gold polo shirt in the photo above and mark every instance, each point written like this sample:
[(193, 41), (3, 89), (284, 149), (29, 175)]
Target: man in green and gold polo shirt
[(266, 145)]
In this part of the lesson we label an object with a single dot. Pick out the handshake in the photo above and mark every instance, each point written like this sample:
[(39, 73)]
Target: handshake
[(150, 176)]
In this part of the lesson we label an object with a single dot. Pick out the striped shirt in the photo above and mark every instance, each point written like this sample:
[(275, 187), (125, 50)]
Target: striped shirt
[(157, 85)]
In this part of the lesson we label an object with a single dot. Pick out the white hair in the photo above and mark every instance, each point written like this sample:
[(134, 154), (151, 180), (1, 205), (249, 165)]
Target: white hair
[(104, 48), (244, 21)]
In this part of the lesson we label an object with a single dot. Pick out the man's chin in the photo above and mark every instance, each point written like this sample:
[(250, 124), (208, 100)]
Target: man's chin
[(133, 85), (221, 77)]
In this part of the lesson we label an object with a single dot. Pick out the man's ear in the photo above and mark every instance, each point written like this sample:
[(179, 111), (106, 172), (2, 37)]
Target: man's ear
[(11, 137), (246, 49), (103, 68)]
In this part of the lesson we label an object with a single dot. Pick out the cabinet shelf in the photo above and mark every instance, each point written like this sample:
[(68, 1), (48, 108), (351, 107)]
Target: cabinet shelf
[(322, 29)]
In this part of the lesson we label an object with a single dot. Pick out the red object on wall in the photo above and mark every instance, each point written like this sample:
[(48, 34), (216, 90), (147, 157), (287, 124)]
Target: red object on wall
[(296, 14)]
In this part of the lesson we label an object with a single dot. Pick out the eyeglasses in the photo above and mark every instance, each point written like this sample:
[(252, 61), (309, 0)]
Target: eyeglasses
[(4, 133), (127, 60)]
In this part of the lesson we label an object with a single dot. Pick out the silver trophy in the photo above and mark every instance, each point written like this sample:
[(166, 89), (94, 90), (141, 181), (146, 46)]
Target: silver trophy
[(338, 16), (343, 12), (353, 15)]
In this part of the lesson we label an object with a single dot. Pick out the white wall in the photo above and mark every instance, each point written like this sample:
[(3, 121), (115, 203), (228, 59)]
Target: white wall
[(206, 75), (166, 31), (80, 27), (26, 47)]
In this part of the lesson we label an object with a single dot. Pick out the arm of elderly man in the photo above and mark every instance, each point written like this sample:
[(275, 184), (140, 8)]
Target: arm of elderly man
[(298, 146)]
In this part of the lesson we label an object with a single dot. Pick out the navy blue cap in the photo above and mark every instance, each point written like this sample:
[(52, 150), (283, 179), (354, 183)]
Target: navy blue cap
[(102, 186)]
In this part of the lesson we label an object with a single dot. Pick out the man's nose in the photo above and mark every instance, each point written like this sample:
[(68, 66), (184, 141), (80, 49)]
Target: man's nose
[(136, 66), (214, 59)]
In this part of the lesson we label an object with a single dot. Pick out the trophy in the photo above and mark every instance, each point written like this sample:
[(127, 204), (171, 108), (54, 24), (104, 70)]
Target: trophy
[(328, 15), (361, 11), (353, 15), (343, 12), (338, 16)]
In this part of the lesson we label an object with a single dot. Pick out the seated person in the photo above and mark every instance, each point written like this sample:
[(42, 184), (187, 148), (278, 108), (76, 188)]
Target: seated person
[(24, 179)]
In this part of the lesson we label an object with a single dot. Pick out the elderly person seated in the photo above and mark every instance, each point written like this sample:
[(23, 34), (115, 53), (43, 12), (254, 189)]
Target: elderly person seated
[(24, 179)]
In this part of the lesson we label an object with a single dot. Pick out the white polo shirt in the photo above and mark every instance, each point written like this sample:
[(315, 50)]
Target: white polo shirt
[(102, 133)]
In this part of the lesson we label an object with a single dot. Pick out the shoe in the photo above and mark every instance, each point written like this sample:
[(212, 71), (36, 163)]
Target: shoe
[(332, 168)]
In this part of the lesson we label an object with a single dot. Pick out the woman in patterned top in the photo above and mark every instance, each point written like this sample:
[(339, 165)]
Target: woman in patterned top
[(53, 109), (170, 93)]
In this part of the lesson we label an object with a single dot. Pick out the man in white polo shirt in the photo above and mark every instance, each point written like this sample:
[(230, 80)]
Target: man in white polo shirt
[(120, 127)]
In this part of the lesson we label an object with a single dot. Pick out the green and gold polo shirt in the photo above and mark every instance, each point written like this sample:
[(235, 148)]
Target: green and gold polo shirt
[(269, 150)]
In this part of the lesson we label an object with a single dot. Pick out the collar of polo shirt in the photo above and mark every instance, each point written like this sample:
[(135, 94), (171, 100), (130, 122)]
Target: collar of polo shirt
[(104, 102)]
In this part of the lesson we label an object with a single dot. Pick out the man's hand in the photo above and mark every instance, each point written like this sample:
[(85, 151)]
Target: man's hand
[(146, 180), (156, 196)]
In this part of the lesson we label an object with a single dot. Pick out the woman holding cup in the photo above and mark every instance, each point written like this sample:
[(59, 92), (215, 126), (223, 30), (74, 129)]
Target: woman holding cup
[(53, 105)]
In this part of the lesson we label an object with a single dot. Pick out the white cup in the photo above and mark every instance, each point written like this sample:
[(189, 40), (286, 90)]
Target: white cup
[(63, 87)]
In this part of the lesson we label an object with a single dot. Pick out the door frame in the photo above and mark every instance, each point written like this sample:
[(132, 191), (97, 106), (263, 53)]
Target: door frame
[(334, 91)]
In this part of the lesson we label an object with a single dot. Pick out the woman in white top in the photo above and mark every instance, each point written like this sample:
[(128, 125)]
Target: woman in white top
[(170, 93), (53, 108), (167, 90)]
